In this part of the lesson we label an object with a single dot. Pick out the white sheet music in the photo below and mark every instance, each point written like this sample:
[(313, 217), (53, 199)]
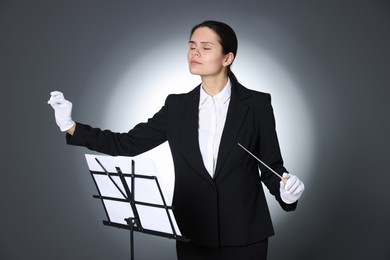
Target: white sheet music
[(145, 190)]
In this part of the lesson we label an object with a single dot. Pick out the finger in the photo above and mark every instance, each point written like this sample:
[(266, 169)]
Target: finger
[(55, 96), (55, 93), (298, 189), (290, 182), (294, 185), (294, 189), (57, 99)]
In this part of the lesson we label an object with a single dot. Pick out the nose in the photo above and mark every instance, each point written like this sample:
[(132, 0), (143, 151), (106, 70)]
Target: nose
[(195, 52)]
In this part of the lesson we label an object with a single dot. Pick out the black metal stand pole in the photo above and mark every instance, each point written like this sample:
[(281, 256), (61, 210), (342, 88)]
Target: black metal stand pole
[(131, 223)]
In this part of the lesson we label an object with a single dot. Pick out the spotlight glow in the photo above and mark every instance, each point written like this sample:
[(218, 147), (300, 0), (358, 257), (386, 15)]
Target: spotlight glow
[(142, 90)]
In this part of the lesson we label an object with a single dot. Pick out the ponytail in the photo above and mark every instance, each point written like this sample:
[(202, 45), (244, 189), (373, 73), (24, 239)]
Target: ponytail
[(231, 76)]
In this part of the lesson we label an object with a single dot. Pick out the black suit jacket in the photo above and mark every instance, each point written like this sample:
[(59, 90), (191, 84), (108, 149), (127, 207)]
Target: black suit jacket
[(229, 209)]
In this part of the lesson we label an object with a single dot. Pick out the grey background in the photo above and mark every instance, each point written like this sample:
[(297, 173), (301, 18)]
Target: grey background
[(339, 51)]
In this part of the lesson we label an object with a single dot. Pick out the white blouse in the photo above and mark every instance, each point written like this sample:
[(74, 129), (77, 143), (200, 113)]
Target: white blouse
[(212, 117)]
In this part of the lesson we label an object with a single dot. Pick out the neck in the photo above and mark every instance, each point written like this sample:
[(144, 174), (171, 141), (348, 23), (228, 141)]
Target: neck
[(214, 85)]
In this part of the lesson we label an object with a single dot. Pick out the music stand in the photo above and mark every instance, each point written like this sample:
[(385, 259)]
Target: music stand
[(142, 209)]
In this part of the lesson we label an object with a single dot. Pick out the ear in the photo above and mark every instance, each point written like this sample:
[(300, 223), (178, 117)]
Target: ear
[(229, 58)]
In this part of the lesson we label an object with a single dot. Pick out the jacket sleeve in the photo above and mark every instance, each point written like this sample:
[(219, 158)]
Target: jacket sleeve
[(269, 151), (141, 138)]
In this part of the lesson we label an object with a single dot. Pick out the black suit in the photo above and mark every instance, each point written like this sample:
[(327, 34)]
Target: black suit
[(229, 209)]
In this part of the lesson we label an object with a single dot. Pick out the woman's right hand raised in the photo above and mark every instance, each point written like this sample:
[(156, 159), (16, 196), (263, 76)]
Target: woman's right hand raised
[(62, 111)]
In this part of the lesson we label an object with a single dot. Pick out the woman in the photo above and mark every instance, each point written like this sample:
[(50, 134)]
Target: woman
[(218, 199)]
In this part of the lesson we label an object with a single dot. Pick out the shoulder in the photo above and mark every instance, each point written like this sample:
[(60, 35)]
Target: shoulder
[(183, 97), (250, 96)]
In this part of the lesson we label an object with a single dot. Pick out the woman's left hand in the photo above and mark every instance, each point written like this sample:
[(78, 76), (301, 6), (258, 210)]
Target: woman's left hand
[(292, 189)]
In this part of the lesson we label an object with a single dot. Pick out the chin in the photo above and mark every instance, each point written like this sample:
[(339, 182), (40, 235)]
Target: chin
[(195, 72)]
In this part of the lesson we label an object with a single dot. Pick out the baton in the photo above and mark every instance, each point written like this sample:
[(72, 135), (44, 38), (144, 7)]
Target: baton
[(277, 174)]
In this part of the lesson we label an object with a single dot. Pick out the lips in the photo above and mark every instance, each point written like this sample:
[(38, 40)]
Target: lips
[(195, 62)]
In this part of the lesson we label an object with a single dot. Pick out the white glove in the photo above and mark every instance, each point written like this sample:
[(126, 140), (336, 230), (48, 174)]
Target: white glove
[(62, 110), (292, 190)]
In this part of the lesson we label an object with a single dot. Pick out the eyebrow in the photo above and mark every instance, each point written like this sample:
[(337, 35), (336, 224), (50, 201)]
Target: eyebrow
[(201, 42)]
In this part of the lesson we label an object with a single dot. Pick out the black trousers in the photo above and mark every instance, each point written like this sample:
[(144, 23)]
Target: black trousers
[(187, 251)]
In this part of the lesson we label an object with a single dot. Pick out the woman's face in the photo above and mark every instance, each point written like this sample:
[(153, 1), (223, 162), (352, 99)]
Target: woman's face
[(205, 56)]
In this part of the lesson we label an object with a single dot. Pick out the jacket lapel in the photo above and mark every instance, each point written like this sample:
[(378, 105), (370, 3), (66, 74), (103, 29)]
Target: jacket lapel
[(189, 134), (235, 116)]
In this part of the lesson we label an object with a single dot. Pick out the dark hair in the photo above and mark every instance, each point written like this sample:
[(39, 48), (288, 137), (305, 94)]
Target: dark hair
[(227, 39)]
